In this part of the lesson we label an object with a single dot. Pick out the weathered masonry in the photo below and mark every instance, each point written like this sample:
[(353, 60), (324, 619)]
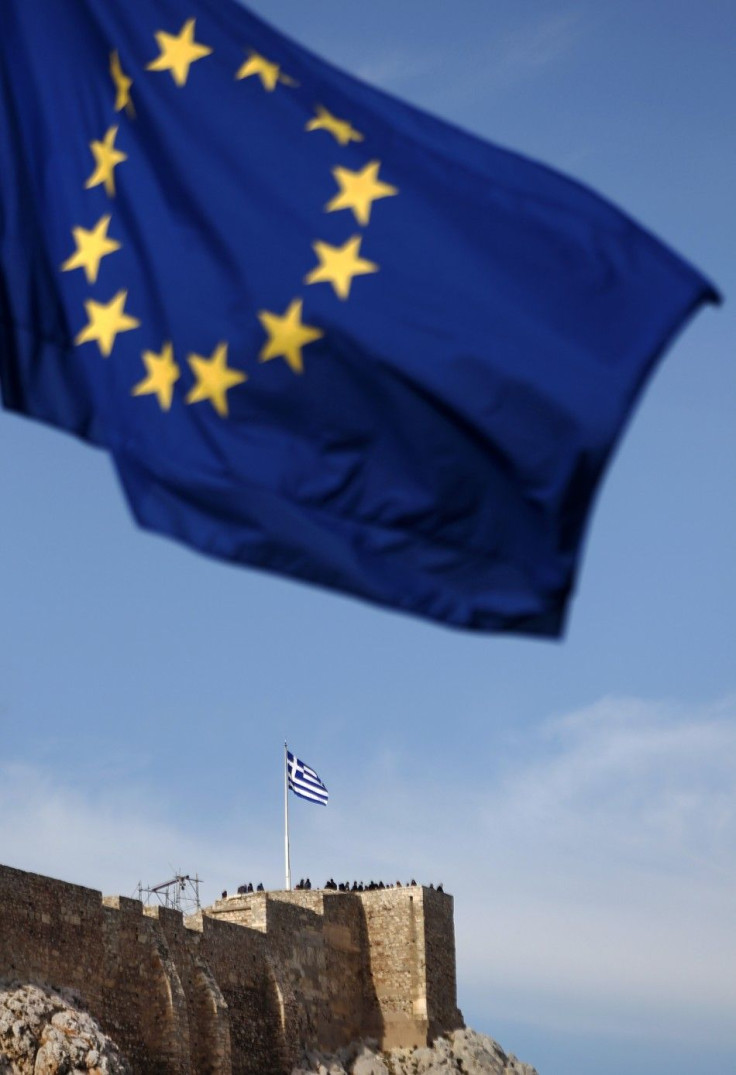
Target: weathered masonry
[(242, 987)]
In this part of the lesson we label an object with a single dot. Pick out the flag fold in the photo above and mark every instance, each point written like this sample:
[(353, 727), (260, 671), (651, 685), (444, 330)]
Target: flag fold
[(319, 331)]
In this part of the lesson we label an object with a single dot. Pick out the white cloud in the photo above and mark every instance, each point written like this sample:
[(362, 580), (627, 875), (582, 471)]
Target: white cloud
[(515, 55), (651, 785), (535, 46), (111, 840), (395, 67), (613, 865)]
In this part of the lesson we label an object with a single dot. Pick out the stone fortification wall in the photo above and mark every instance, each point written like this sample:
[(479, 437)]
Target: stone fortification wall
[(245, 986), (177, 999), (412, 964), (377, 964), (317, 948), (440, 976)]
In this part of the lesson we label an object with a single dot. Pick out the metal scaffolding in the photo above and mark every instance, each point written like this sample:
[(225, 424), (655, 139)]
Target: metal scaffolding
[(181, 893)]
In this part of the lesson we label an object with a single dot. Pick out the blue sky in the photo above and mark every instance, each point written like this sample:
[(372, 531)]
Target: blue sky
[(579, 799)]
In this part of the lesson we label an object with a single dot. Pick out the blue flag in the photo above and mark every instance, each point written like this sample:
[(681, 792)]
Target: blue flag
[(319, 332)]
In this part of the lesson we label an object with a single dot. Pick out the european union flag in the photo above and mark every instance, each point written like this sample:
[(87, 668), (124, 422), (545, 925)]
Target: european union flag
[(319, 331)]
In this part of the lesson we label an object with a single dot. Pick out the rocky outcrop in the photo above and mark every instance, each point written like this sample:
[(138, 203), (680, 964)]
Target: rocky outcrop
[(464, 1052), (44, 1033)]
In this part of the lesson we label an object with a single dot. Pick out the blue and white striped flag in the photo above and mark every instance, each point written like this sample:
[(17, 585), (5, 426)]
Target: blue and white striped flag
[(304, 782)]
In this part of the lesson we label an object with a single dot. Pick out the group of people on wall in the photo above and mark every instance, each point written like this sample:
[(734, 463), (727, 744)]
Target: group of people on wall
[(372, 886), (332, 886)]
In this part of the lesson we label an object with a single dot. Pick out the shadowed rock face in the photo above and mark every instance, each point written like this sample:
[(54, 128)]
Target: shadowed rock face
[(43, 1033), (462, 1053)]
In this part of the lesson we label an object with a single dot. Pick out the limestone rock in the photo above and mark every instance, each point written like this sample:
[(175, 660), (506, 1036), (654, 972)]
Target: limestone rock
[(464, 1052), (368, 1062), (44, 1033), (477, 1054)]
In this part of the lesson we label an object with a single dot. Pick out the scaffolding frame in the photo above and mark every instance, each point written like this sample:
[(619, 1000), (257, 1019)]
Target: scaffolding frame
[(181, 893)]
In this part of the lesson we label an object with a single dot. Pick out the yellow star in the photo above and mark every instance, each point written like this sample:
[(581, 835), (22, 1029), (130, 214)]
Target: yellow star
[(105, 322), (163, 373), (343, 131), (92, 247), (268, 72), (107, 158), (339, 264), (287, 336), (122, 85), (358, 191), (178, 52), (214, 379)]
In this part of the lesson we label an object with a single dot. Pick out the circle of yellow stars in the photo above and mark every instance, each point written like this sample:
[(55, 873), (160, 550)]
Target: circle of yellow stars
[(287, 335)]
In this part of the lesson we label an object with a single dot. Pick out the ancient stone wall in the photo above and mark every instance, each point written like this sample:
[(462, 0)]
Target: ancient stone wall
[(395, 927), (143, 1003), (351, 994), (236, 960), (208, 1023), (44, 927), (440, 980), (243, 987), (377, 964), (316, 951)]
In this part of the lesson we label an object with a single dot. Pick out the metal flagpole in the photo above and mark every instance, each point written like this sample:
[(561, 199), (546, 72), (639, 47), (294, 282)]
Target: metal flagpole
[(286, 818)]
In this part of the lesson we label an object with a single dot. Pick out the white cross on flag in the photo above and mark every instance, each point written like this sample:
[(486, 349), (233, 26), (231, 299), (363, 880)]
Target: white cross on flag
[(304, 782)]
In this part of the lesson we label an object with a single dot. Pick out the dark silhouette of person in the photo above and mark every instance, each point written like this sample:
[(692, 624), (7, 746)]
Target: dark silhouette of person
[(224, 893), (260, 887)]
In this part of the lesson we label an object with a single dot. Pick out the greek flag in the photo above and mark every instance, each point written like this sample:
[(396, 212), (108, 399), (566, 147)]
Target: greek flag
[(304, 782)]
